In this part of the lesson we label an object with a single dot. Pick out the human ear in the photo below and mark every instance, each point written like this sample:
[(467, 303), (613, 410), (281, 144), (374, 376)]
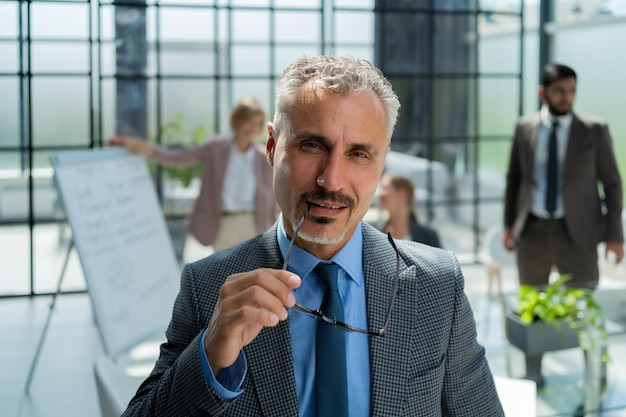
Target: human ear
[(270, 145)]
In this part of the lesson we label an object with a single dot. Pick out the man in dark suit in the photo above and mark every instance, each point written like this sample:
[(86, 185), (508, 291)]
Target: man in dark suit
[(553, 213), (238, 345)]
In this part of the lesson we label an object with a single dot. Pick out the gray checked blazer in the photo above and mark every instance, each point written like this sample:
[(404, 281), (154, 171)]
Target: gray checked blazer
[(428, 364)]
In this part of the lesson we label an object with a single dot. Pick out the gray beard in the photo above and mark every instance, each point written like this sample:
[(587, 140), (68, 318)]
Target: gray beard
[(320, 240)]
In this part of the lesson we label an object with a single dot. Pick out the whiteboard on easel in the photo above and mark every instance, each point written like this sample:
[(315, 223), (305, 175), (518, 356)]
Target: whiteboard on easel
[(122, 241)]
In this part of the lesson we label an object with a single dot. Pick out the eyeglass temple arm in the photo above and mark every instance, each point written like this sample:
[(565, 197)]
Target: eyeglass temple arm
[(382, 331), (294, 235)]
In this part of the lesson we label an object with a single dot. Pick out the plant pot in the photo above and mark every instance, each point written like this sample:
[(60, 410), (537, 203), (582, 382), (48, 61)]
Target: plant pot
[(538, 337)]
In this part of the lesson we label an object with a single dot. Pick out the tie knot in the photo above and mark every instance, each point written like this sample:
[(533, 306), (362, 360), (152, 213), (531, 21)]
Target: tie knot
[(555, 124), (328, 274)]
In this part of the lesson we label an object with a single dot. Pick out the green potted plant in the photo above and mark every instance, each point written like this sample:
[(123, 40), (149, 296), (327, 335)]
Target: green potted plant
[(556, 317), (174, 134)]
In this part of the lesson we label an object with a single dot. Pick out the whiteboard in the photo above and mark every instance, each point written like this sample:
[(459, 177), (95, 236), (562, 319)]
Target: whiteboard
[(122, 241)]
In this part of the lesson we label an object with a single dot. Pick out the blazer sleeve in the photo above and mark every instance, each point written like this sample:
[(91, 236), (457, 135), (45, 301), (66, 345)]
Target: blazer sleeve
[(608, 174), (468, 386), (177, 385), (513, 179), (183, 156)]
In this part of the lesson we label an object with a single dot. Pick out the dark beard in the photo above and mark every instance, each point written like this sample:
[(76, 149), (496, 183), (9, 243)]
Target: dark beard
[(554, 111)]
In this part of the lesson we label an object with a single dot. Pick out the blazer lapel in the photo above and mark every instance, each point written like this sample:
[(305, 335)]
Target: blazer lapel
[(575, 141), (269, 355), (388, 354), (533, 127)]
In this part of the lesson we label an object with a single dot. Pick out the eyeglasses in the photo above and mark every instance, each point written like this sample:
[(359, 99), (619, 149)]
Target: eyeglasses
[(319, 315)]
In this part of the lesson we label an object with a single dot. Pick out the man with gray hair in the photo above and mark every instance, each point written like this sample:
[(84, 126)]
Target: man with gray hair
[(322, 315)]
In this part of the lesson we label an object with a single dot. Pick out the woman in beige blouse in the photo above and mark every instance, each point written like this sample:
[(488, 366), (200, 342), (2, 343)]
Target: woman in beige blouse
[(236, 200)]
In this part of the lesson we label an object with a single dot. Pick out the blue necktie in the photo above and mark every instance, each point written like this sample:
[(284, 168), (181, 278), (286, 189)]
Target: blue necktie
[(552, 174), (330, 365)]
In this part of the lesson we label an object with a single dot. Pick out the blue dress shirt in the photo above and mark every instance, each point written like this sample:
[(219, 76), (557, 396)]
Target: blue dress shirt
[(303, 330)]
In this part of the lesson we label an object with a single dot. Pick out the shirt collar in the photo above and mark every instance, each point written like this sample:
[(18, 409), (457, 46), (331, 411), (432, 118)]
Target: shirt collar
[(349, 257), (547, 119)]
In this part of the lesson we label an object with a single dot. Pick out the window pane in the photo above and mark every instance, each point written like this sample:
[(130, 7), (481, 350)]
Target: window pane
[(188, 58), (250, 26), (298, 3), (354, 27), (107, 58), (297, 27), (499, 53), (251, 60), (107, 22), (9, 52), (449, 106), (494, 156), (61, 111), (361, 4), (498, 105), (193, 99), (13, 187), (8, 20), (51, 244), (257, 3), (414, 117), (405, 42), (60, 57), (107, 111), (455, 5), (14, 256), (206, 3), (9, 112), (186, 24), (46, 18), (45, 201), (450, 47)]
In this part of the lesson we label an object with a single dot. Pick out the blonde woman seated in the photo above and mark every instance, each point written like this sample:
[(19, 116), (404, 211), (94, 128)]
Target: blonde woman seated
[(396, 198), (236, 199)]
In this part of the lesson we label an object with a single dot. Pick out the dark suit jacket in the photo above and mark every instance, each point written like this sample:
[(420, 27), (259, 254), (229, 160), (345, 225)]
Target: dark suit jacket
[(424, 234), (419, 233), (589, 159), (428, 364)]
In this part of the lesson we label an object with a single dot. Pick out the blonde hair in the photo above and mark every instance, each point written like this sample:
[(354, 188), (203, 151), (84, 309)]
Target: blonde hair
[(247, 108)]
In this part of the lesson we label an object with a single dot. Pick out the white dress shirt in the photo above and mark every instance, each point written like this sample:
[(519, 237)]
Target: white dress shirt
[(238, 193)]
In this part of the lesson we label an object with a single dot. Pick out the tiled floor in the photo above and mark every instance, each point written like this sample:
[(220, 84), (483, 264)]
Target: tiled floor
[(64, 385)]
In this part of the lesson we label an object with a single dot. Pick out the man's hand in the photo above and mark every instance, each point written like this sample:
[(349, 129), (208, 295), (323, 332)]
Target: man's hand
[(508, 241), (247, 303), (617, 248)]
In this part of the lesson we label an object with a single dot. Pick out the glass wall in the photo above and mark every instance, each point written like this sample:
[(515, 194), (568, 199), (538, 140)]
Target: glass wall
[(75, 73)]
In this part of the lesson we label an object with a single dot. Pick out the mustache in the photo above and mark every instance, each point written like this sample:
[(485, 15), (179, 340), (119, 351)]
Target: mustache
[(331, 196)]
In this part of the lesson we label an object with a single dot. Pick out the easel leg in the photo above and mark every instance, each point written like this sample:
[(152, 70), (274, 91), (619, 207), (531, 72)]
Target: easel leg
[(46, 326)]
